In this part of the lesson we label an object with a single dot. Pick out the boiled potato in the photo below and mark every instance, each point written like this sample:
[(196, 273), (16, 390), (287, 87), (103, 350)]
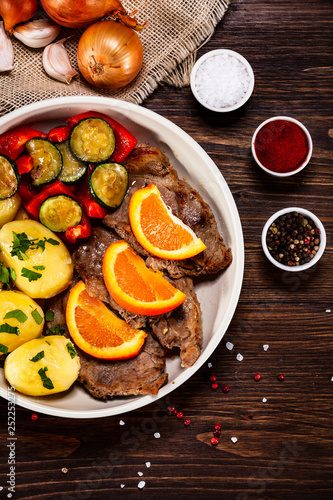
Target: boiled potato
[(23, 313), (9, 208), (22, 214), (54, 263), (43, 366)]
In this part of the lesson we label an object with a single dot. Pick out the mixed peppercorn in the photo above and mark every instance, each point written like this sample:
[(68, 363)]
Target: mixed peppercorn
[(293, 239)]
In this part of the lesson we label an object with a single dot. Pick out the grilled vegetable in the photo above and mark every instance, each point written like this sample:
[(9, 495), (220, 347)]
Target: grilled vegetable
[(47, 161), (92, 140), (59, 212), (108, 184), (72, 168), (9, 209), (9, 177)]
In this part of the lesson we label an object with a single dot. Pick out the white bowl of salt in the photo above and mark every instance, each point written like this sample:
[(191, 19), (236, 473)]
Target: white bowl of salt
[(222, 80)]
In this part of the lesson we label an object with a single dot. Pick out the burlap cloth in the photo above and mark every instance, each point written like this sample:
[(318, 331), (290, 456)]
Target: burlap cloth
[(176, 29)]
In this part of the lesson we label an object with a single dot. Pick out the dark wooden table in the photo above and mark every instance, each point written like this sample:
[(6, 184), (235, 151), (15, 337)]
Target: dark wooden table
[(285, 445)]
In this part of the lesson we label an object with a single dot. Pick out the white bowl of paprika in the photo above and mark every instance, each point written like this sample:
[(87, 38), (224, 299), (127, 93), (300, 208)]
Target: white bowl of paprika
[(281, 146)]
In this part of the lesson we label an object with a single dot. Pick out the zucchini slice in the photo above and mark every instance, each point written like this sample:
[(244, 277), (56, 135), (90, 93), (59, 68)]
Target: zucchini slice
[(47, 161), (108, 183), (59, 212), (72, 168), (9, 177), (92, 140)]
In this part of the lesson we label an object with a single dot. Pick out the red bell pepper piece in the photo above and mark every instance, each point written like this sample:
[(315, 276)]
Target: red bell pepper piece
[(12, 143), (82, 230), (59, 134), (92, 208), (24, 164), (26, 190), (125, 141)]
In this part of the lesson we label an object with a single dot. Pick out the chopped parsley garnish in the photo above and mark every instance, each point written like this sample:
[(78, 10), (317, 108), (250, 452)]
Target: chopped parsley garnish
[(71, 349), (47, 342), (39, 355), (17, 314), (3, 349), (49, 316), (5, 274), (6, 328), (39, 268), (47, 382), (37, 317), (21, 243), (55, 330), (30, 275)]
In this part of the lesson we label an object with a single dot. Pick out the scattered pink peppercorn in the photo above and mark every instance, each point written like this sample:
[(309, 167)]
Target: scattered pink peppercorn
[(179, 414), (187, 421), (34, 416), (280, 377), (225, 389), (172, 410), (213, 378), (214, 441), (257, 377), (217, 432), (217, 426), (215, 385)]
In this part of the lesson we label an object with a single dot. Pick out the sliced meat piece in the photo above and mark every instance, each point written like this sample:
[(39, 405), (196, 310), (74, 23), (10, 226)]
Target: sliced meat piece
[(88, 262), (143, 374), (181, 327), (146, 165)]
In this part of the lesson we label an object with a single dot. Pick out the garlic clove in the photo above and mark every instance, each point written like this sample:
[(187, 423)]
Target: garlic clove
[(56, 62), (38, 33), (6, 50)]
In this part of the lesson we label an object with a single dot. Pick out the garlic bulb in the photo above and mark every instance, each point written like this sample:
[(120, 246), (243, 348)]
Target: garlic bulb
[(6, 50), (38, 33), (56, 62)]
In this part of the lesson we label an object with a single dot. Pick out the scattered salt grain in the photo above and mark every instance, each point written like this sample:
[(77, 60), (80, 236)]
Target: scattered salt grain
[(328, 310), (1, 488), (148, 464), (332, 379), (229, 346), (140, 473), (234, 439), (264, 400), (222, 80), (122, 486), (157, 435), (121, 422), (265, 347), (209, 365), (239, 357), (9, 495), (141, 484)]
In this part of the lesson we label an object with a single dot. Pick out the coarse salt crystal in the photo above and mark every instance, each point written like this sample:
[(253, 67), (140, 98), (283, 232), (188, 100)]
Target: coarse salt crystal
[(157, 435), (141, 484), (265, 347), (140, 473), (239, 357), (328, 310), (234, 439), (229, 346), (122, 486), (148, 464), (264, 400), (222, 80), (332, 379), (121, 422), (209, 365)]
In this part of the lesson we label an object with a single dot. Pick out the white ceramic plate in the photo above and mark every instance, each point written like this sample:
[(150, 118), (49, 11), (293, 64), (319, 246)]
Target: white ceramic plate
[(218, 296)]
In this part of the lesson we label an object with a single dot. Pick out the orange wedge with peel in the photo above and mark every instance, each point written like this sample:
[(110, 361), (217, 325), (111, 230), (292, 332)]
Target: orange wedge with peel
[(159, 231), (97, 331), (134, 286)]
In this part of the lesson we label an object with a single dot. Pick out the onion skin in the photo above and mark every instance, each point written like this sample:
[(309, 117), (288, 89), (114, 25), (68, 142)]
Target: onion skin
[(16, 11), (80, 13), (109, 55)]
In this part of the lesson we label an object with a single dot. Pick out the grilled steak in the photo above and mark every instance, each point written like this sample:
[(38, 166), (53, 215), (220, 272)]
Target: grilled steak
[(143, 374), (149, 165), (182, 326)]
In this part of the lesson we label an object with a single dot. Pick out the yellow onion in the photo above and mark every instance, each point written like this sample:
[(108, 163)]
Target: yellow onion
[(78, 13), (109, 55), (16, 11)]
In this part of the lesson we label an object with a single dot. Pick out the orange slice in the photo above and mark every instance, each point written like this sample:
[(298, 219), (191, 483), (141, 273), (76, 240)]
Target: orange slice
[(134, 286), (97, 331), (159, 231)]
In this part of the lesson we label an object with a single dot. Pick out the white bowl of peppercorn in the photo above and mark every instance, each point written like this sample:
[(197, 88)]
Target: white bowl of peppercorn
[(293, 239), (281, 146)]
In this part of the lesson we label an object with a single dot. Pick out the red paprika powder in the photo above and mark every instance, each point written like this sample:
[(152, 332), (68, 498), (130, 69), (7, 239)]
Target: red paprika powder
[(281, 146)]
